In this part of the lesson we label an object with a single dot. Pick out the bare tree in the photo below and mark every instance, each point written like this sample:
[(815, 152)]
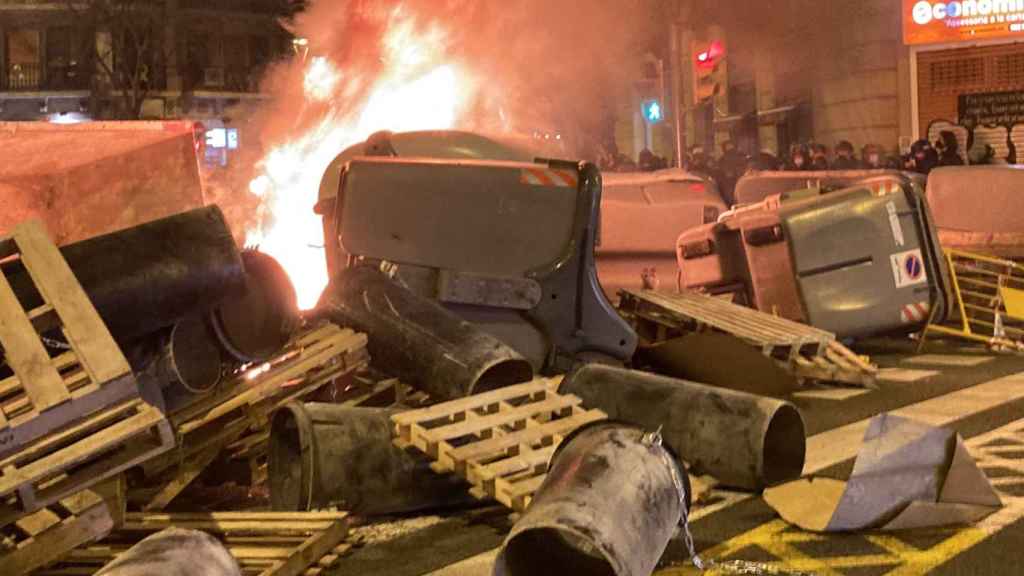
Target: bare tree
[(128, 47)]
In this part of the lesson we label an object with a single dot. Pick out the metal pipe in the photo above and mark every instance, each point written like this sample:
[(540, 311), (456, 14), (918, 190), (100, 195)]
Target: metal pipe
[(743, 440), (418, 340), (145, 278), (610, 503), (255, 326), (174, 552), (323, 455), (183, 363)]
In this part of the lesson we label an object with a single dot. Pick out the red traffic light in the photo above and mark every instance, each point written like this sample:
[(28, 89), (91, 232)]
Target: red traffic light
[(710, 56)]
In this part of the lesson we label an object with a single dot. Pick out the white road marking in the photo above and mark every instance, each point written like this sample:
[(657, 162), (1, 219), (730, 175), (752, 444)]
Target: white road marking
[(905, 374), (953, 360), (837, 394)]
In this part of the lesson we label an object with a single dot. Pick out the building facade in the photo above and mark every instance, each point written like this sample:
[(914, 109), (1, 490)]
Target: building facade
[(882, 72), (190, 59)]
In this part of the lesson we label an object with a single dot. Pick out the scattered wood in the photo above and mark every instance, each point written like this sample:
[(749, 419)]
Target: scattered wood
[(47, 535), (70, 414), (807, 352), (235, 419), (264, 543), (500, 441)]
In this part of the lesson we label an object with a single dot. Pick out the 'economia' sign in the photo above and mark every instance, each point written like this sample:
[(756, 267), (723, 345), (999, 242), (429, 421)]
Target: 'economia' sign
[(928, 22)]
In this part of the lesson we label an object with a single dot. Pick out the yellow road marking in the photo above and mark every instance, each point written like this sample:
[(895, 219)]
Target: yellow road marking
[(905, 559)]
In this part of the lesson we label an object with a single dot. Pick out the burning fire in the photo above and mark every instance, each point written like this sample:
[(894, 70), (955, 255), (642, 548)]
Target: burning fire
[(417, 86)]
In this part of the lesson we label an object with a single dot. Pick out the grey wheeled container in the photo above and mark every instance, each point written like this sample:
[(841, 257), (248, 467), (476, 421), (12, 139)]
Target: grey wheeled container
[(868, 263)]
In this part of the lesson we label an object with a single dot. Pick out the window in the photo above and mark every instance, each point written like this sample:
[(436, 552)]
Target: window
[(23, 59)]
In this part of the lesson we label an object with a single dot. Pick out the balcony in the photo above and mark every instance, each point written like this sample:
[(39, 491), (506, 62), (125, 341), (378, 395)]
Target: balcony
[(24, 77)]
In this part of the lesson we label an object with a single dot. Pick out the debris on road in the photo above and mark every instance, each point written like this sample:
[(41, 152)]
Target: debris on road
[(789, 348), (742, 440), (145, 278), (324, 455), (74, 418), (508, 246), (418, 340), (262, 543), (610, 503), (235, 417), (97, 177), (907, 475), (500, 442), (806, 256)]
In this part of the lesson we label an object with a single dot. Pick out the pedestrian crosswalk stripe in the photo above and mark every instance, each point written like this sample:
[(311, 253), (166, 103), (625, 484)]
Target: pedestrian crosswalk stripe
[(951, 360)]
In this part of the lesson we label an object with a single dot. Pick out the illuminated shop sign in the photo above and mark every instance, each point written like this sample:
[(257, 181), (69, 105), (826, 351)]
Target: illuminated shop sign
[(930, 22)]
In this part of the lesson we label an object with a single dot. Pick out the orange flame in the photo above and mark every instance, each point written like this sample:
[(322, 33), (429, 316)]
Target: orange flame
[(418, 87)]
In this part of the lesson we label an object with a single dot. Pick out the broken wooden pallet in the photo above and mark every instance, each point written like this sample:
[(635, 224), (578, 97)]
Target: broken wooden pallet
[(807, 352), (42, 391), (500, 441), (82, 454), (264, 543), (45, 536), (236, 416)]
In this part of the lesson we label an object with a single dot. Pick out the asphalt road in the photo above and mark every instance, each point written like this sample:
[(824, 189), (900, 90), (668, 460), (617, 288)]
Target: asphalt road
[(979, 394)]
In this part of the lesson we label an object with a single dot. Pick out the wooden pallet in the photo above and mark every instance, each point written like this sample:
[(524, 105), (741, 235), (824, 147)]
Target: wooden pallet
[(500, 442), (264, 543), (41, 391), (805, 351), (82, 455), (235, 418), (45, 536)]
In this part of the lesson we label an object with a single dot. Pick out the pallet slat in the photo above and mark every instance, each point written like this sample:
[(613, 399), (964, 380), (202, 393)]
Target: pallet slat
[(277, 544), (804, 351), (501, 441)]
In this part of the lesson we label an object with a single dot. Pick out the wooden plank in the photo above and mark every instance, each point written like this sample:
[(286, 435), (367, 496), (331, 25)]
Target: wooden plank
[(187, 472), (83, 327), (561, 426), (310, 551), (447, 409), (501, 418), (514, 464), (314, 356), (51, 544), (26, 355)]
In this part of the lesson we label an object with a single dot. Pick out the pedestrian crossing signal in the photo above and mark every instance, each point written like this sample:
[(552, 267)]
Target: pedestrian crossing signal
[(652, 111)]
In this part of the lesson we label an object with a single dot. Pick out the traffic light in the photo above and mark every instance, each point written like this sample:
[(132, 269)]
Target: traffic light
[(653, 111), (708, 70)]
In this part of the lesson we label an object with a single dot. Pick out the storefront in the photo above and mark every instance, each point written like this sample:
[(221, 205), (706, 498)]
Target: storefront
[(967, 74)]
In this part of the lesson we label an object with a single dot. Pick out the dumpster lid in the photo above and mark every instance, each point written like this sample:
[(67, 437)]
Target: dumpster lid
[(33, 148)]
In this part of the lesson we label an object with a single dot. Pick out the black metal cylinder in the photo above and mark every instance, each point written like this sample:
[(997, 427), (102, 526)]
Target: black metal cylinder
[(256, 325), (610, 503), (324, 455), (145, 278), (183, 363), (419, 341), (174, 552), (743, 440)]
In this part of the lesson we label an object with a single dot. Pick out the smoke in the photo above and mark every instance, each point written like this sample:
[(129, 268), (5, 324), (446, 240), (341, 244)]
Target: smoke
[(547, 65)]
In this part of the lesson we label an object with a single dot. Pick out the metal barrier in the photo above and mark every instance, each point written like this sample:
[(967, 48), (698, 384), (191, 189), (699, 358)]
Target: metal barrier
[(989, 299)]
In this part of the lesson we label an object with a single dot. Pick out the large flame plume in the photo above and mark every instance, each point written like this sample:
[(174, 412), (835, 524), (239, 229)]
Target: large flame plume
[(418, 86), (417, 65)]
